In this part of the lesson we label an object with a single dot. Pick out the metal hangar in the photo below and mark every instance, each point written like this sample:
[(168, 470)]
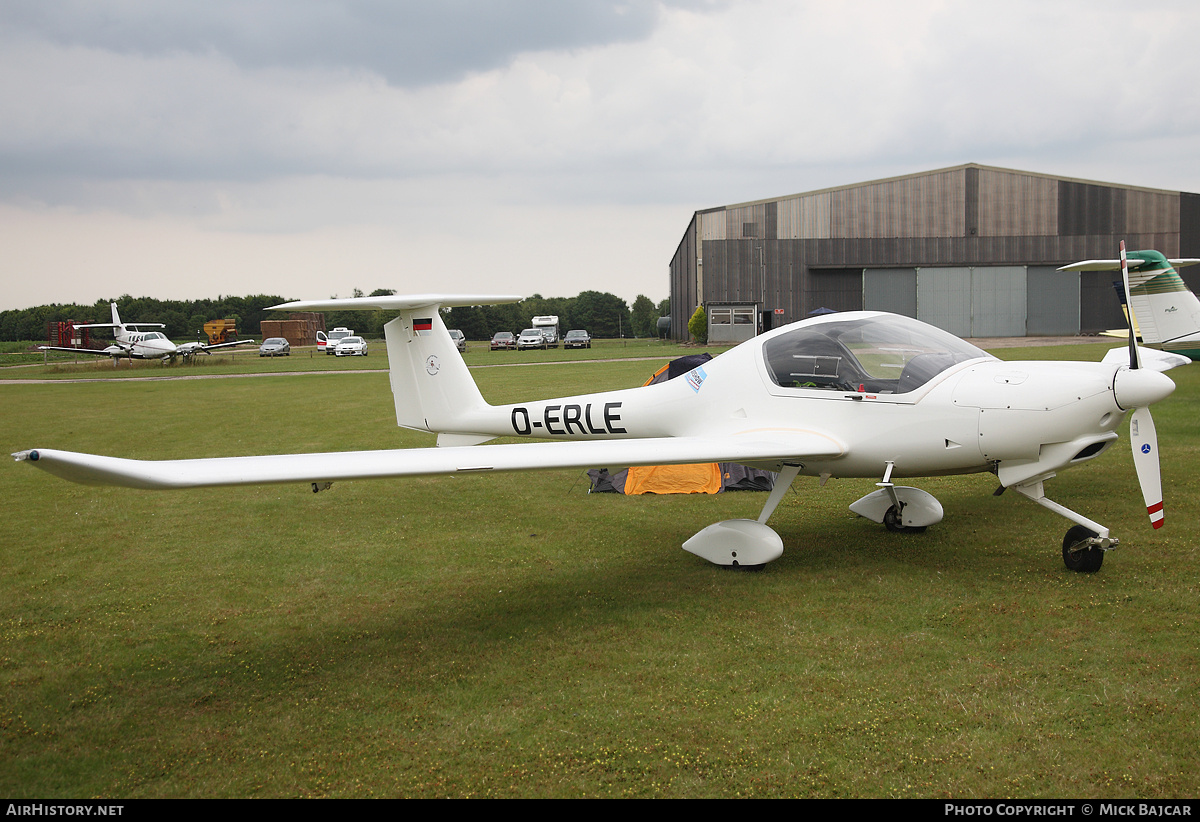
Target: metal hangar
[(971, 249)]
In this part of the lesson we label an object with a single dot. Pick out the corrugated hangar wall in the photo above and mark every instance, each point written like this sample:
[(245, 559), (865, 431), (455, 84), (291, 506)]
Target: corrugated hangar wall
[(972, 249)]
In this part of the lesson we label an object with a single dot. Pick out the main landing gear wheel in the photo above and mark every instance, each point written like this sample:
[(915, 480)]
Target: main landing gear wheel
[(737, 566), (1085, 559), (892, 521)]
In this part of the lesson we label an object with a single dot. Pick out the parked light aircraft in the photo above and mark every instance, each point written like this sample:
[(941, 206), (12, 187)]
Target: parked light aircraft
[(134, 342), (855, 394), (1166, 313)]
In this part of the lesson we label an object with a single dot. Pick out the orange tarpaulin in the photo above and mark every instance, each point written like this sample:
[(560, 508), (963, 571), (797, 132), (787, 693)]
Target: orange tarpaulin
[(704, 478)]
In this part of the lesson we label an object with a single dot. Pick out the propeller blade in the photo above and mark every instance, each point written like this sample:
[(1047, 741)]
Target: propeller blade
[(1145, 459), (1133, 353)]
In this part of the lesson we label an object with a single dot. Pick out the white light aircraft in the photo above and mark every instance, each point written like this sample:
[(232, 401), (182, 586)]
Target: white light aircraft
[(1165, 311), (134, 342), (855, 394)]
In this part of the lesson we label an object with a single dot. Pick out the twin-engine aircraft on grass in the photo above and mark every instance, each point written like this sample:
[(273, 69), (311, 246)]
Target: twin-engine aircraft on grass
[(855, 394), (134, 342)]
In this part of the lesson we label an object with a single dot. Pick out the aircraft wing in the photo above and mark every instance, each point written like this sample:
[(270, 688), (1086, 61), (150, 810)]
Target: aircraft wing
[(762, 447), (207, 347), (103, 352)]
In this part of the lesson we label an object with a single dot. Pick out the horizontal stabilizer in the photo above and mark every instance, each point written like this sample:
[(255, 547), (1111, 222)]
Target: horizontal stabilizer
[(1115, 265), (1149, 358), (396, 302)]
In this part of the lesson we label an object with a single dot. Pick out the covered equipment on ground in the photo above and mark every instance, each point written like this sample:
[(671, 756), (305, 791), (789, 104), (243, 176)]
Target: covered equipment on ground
[(702, 478)]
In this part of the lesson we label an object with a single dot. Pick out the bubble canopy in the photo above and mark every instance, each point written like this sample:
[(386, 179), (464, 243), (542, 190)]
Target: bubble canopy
[(874, 353)]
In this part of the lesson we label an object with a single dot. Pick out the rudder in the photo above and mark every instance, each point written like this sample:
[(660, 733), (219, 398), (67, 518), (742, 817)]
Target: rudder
[(431, 385)]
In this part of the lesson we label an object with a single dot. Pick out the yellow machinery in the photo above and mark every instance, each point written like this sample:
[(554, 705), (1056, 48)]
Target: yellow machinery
[(220, 331)]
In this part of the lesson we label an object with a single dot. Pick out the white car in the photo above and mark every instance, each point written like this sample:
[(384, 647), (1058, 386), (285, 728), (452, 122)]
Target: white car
[(351, 347), (328, 342), (531, 338)]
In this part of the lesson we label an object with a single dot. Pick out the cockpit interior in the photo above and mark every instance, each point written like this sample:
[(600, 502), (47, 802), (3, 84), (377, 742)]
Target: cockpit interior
[(878, 354)]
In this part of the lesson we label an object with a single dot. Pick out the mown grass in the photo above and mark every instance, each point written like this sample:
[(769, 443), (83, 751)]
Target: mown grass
[(513, 636)]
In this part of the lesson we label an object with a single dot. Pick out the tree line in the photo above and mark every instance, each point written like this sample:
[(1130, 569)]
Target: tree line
[(601, 314), (184, 319)]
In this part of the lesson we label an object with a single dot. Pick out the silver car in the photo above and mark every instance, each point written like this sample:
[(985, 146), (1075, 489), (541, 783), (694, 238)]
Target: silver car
[(275, 347), (531, 338)]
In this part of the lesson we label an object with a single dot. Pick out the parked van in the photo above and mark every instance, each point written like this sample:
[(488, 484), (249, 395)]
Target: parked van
[(328, 342)]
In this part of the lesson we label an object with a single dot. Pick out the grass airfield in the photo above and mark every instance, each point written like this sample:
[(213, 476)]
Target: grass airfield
[(513, 636)]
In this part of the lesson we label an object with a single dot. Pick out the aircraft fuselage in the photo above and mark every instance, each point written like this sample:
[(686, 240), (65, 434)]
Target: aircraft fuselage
[(1022, 419)]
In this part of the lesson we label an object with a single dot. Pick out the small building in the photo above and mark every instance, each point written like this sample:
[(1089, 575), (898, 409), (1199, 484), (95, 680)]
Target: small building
[(971, 249)]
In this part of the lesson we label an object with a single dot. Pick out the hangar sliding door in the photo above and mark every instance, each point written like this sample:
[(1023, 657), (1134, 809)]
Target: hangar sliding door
[(998, 301), (944, 299), (890, 289), (1053, 302), (973, 302)]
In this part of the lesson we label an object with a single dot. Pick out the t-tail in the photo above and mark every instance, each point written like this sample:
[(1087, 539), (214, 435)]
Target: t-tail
[(1167, 314), (431, 385)]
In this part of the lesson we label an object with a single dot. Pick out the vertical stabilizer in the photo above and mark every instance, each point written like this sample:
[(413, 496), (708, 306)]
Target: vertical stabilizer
[(1164, 307), (431, 384)]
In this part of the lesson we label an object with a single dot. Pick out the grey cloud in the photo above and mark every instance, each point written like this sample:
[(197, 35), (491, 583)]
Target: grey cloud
[(409, 43)]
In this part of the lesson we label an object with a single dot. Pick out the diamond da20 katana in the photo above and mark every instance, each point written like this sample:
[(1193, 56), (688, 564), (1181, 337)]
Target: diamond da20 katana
[(857, 394)]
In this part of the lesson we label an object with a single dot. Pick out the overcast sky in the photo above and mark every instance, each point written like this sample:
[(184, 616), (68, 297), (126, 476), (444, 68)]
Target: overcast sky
[(307, 148)]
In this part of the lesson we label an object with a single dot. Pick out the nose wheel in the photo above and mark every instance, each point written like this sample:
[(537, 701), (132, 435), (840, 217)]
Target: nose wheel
[(1080, 551)]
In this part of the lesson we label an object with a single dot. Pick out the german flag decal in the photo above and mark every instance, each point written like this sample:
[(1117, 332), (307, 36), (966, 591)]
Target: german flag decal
[(420, 325)]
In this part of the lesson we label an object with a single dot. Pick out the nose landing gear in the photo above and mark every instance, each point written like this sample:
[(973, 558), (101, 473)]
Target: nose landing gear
[(1081, 550)]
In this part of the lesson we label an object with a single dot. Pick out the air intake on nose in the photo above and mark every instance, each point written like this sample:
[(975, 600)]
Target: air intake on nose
[(1090, 451)]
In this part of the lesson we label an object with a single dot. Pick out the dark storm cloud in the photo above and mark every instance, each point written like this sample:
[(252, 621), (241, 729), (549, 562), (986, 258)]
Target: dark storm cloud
[(407, 42), (300, 143)]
